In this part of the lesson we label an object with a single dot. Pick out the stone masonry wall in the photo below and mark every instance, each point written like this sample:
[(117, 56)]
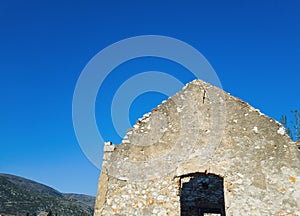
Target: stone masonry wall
[(204, 130), (157, 197)]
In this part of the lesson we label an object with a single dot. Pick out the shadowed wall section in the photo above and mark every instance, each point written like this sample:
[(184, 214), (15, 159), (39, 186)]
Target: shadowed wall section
[(201, 193)]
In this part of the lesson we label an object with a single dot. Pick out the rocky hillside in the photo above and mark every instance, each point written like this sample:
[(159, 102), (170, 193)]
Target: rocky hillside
[(20, 196)]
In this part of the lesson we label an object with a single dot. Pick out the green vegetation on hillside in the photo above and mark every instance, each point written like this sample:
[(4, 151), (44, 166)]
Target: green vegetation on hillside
[(19, 196)]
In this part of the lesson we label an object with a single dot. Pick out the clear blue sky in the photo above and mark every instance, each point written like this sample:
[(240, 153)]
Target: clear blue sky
[(254, 47)]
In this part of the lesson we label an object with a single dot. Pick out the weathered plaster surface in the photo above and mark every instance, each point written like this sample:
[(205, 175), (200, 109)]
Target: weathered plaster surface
[(201, 129)]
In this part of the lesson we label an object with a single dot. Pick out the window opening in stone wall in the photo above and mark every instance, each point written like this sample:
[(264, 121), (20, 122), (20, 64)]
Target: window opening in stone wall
[(202, 195)]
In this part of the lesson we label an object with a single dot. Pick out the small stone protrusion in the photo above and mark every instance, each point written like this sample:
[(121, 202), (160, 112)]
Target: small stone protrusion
[(255, 129), (109, 147), (281, 131)]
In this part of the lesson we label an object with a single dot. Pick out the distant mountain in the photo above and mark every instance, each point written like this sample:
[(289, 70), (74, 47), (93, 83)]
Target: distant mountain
[(20, 196)]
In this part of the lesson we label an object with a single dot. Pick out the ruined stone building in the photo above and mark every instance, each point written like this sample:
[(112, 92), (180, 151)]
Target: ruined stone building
[(201, 152)]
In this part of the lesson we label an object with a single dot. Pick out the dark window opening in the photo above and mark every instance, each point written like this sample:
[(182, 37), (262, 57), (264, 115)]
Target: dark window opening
[(202, 194)]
